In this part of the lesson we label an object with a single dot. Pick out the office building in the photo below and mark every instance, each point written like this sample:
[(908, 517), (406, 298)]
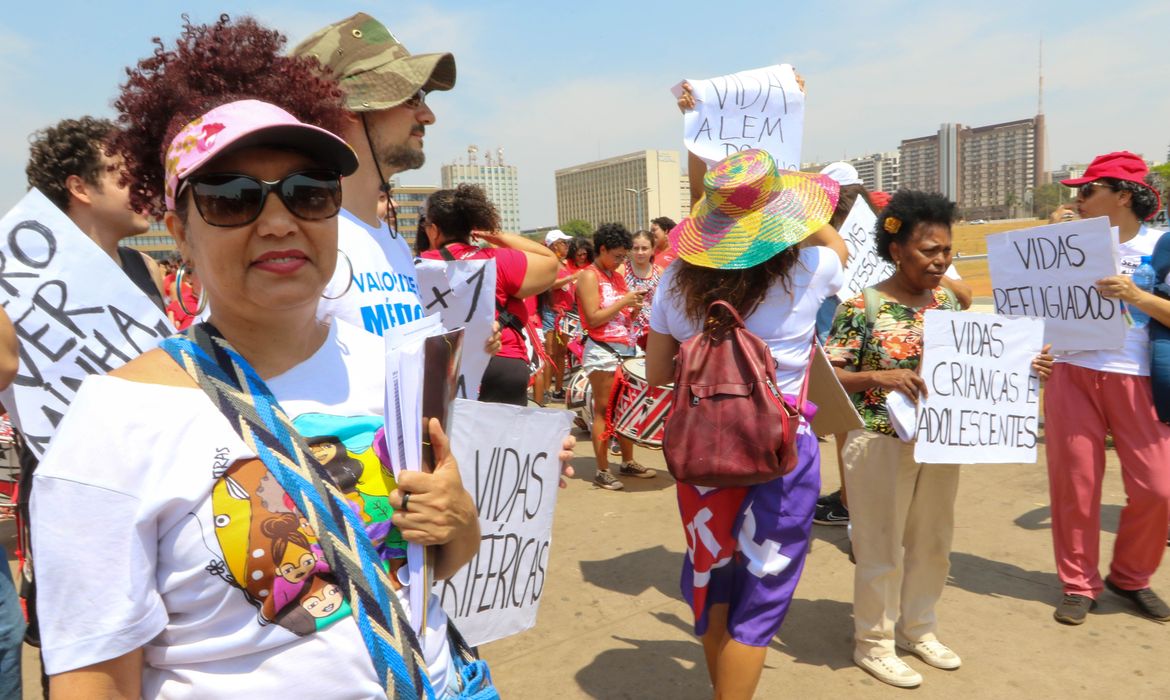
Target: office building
[(630, 189), (990, 170), (157, 242), (877, 171), (497, 179), (408, 204)]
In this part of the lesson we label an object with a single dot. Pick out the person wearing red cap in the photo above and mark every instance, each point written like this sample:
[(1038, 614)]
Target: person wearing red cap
[(1094, 393)]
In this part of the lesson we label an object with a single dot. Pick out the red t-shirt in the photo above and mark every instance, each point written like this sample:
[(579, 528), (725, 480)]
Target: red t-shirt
[(564, 299), (511, 266), (666, 257), (610, 289)]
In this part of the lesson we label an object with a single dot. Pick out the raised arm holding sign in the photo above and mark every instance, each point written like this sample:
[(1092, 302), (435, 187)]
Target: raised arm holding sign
[(760, 108)]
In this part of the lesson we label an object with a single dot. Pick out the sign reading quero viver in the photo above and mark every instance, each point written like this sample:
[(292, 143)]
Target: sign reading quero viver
[(74, 311)]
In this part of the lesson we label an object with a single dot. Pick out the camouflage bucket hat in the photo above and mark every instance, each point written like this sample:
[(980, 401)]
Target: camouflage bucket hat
[(373, 68)]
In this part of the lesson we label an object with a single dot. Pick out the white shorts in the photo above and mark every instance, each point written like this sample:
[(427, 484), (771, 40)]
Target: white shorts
[(596, 358)]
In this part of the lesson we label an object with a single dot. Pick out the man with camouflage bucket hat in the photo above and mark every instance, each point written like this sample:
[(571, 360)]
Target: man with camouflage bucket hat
[(385, 90)]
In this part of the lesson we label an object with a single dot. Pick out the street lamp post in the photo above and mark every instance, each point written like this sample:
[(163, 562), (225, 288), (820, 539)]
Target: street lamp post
[(638, 196)]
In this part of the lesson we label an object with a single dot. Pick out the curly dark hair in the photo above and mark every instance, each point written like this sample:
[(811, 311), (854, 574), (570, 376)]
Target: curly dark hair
[(908, 209), (611, 236), (849, 195), (69, 147), (457, 212), (209, 66), (664, 222), (579, 243), (743, 289), (1143, 201)]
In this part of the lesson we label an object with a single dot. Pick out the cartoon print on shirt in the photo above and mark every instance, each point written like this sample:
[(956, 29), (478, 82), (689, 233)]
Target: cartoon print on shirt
[(269, 548)]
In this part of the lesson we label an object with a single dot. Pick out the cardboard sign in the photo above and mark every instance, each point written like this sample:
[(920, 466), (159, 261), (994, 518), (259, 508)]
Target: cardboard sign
[(760, 108), (983, 398), (508, 459), (836, 413), (1049, 271), (463, 293), (865, 267), (75, 312)]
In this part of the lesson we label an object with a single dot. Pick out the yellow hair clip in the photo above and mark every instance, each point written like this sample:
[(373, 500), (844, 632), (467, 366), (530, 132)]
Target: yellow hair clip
[(892, 225)]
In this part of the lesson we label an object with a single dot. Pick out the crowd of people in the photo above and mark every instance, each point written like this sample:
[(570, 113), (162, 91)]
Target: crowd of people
[(264, 553)]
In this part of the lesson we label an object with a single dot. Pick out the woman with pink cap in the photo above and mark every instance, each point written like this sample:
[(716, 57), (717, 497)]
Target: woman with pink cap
[(220, 557), (741, 244)]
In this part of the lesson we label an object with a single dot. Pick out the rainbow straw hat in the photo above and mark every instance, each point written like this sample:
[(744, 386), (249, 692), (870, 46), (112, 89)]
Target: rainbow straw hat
[(751, 211)]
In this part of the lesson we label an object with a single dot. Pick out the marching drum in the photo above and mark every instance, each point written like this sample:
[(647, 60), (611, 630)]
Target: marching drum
[(569, 325), (579, 399), (639, 410)]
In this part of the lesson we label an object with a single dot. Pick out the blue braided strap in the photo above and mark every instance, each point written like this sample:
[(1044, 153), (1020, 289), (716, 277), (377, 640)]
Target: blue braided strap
[(248, 404)]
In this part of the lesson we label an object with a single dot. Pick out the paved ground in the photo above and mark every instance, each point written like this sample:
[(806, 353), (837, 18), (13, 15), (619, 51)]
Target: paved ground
[(612, 624)]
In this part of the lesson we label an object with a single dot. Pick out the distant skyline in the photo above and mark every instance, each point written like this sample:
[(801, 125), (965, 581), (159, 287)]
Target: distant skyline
[(558, 85)]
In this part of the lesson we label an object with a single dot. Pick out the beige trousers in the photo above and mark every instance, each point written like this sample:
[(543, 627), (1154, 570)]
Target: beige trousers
[(903, 517)]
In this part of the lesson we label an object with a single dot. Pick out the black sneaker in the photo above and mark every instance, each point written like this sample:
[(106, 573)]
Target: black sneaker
[(834, 497), (1073, 609), (831, 514), (1147, 601), (556, 395)]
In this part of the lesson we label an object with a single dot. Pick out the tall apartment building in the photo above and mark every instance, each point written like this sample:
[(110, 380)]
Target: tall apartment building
[(989, 170), (498, 180), (630, 189), (684, 196), (878, 171), (408, 204)]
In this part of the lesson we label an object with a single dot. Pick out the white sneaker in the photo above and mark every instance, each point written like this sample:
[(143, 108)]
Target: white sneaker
[(933, 652), (889, 669)]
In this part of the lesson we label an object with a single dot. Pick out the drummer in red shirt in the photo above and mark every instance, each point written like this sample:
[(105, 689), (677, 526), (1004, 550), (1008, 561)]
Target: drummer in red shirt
[(524, 268), (606, 306)]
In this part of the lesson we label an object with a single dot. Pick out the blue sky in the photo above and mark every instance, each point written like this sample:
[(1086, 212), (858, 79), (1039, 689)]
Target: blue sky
[(556, 84)]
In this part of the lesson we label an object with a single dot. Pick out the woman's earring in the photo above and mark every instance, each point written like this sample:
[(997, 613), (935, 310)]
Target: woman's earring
[(349, 277), (182, 272)]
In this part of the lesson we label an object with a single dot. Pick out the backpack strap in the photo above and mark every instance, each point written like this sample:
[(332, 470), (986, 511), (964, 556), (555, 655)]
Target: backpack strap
[(248, 404), (1161, 262)]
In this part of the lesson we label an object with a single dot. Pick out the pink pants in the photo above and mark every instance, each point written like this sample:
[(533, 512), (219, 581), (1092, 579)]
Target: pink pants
[(1082, 405)]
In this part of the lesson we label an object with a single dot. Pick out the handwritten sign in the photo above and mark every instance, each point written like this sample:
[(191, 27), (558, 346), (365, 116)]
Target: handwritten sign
[(865, 267), (463, 293), (74, 310), (982, 395), (508, 459), (759, 108), (1049, 271)]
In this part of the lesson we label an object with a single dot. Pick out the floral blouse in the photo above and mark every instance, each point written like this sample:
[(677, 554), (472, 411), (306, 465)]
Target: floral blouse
[(894, 342), (640, 324)]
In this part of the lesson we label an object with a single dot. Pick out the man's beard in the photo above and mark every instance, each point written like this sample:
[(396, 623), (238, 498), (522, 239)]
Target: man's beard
[(403, 157)]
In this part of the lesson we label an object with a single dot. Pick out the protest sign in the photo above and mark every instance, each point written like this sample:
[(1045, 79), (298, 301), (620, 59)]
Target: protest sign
[(835, 410), (1049, 271), (75, 312), (463, 293), (760, 108), (865, 267), (982, 397), (508, 458)]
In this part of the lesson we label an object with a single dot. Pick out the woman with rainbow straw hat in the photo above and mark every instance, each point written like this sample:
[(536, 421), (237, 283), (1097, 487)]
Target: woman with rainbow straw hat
[(741, 244)]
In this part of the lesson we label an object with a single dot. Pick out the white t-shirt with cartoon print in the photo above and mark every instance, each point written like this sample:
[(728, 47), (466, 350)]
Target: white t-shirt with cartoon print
[(155, 527), (383, 292)]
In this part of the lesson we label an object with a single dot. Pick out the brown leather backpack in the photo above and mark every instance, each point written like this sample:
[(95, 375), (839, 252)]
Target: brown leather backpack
[(729, 425)]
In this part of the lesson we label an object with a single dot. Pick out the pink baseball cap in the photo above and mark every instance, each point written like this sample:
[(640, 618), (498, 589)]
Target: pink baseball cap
[(249, 123)]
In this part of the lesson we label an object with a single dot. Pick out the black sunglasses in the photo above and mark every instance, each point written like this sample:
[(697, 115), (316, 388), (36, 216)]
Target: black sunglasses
[(1086, 190), (233, 199)]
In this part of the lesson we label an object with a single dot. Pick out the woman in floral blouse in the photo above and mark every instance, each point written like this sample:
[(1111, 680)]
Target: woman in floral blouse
[(902, 511), (642, 276)]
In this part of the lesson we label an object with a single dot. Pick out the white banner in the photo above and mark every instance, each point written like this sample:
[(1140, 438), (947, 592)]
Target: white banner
[(463, 293), (1049, 271), (982, 401), (508, 459), (759, 108), (865, 267), (75, 311)]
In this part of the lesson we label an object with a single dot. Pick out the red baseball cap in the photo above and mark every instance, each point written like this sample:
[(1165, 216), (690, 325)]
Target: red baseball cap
[(1119, 165)]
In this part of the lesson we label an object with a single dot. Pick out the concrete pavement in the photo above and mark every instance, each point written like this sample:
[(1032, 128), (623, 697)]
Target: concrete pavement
[(612, 623)]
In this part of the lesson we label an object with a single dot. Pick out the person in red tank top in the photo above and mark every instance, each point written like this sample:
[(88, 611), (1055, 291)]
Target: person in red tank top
[(606, 306)]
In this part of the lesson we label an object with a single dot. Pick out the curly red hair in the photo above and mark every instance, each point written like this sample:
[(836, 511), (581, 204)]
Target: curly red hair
[(211, 65)]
